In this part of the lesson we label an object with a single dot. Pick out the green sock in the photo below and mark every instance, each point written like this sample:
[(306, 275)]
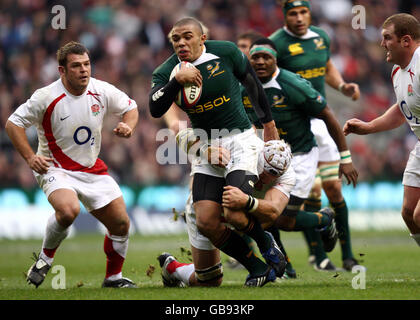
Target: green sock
[(312, 205), (342, 223), (251, 243), (308, 241), (305, 220), (233, 245), (256, 232), (316, 245)]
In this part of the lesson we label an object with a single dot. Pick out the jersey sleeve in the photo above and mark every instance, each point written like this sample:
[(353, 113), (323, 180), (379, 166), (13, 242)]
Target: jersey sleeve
[(32, 111), (286, 182), (118, 101), (237, 59)]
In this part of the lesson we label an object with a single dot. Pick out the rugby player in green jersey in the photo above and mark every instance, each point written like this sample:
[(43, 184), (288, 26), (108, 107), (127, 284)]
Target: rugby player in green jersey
[(219, 67), (294, 102), (305, 49)]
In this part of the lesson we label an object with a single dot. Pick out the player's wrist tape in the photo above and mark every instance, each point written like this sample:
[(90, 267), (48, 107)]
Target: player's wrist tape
[(252, 204), (345, 157), (340, 87)]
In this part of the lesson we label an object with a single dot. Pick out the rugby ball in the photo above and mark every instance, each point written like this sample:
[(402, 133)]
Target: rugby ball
[(189, 95)]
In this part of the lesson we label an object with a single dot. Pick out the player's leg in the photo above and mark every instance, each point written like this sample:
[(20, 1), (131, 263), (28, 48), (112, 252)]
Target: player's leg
[(115, 218), (65, 202), (206, 269), (411, 181), (411, 211), (250, 226), (207, 196)]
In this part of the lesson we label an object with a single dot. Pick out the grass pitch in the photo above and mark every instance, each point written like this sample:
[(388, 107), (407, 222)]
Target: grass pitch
[(392, 260)]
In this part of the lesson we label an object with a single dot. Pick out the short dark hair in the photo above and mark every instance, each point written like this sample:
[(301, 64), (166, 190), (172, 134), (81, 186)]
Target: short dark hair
[(404, 24), (71, 47), (265, 41), (250, 35), (189, 20)]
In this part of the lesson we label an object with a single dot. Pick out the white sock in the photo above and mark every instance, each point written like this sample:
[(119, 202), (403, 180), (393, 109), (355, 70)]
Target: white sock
[(184, 272), (54, 235), (416, 237), (115, 277)]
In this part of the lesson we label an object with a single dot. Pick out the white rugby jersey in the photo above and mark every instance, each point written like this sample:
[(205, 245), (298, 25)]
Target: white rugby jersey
[(69, 127), (406, 84)]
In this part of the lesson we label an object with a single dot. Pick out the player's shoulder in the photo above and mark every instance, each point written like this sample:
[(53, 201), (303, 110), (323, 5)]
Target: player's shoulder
[(292, 80), (221, 47), (278, 34), (48, 93), (321, 32)]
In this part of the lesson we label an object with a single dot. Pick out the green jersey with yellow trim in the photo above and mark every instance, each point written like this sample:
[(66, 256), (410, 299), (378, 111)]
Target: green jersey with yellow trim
[(220, 105), (294, 101), (306, 55)]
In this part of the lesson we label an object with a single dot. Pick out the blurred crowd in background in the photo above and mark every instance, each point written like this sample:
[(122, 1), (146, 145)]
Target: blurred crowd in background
[(127, 40)]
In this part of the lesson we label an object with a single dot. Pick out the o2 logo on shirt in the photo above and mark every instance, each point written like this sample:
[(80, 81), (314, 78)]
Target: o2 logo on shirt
[(407, 113), (82, 135)]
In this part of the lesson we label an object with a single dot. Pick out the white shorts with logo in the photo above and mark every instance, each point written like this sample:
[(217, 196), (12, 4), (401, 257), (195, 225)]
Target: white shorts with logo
[(244, 149), (328, 151), (305, 165), (411, 177), (94, 191)]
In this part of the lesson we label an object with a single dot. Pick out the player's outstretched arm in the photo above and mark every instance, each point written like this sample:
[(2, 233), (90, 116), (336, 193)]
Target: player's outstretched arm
[(125, 128), (19, 139), (334, 79), (391, 119)]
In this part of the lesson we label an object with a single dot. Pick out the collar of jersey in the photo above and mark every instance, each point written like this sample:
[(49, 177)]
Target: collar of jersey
[(72, 95), (308, 35), (273, 82)]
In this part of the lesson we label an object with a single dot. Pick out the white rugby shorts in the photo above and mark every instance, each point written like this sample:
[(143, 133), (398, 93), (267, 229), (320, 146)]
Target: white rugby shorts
[(328, 151), (244, 149), (94, 191), (305, 165), (411, 177), (197, 239)]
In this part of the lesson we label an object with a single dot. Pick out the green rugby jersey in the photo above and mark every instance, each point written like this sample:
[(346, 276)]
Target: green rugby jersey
[(294, 101), (220, 105), (306, 55)]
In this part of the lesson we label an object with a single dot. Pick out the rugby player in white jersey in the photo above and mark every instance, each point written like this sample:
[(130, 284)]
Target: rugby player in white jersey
[(401, 40), (68, 115)]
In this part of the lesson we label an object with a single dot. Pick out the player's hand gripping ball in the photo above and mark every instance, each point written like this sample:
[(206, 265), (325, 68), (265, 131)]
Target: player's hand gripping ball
[(189, 95)]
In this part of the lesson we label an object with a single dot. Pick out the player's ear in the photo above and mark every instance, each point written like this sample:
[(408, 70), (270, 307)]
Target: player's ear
[(61, 70), (406, 40), (203, 38)]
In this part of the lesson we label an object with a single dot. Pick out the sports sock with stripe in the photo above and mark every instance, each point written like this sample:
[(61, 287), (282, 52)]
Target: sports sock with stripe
[(54, 235)]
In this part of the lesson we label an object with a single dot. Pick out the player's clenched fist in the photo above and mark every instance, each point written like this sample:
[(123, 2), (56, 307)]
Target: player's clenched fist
[(123, 130), (355, 126)]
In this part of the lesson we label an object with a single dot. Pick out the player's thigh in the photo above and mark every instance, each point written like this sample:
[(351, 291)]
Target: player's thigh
[(66, 205), (114, 217), (411, 200)]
